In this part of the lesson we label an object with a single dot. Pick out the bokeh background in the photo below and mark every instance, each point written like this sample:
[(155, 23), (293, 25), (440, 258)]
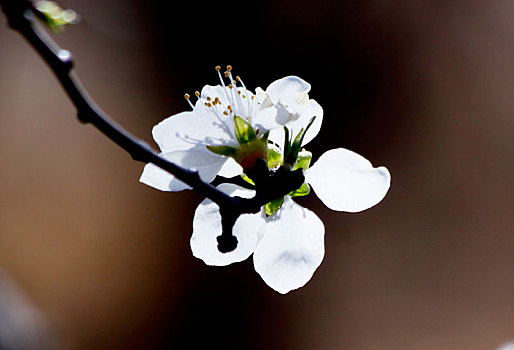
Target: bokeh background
[(423, 87)]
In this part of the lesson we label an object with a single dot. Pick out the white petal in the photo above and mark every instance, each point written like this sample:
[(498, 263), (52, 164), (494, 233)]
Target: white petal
[(293, 108), (346, 181), (162, 180), (291, 248), (230, 168), (312, 109), (189, 129), (199, 158), (289, 91), (266, 119), (207, 227)]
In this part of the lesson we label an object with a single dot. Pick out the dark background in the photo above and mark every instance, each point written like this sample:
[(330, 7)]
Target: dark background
[(423, 87)]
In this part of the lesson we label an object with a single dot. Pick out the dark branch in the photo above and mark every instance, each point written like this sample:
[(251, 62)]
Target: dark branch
[(269, 186)]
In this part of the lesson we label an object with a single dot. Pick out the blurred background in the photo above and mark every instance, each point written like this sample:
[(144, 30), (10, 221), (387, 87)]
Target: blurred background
[(423, 87)]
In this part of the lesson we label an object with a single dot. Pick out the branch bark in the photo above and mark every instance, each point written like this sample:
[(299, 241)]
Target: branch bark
[(21, 16)]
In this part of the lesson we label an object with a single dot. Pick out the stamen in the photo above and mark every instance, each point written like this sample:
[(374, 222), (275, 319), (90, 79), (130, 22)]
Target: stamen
[(187, 97), (227, 94), (245, 92), (229, 68)]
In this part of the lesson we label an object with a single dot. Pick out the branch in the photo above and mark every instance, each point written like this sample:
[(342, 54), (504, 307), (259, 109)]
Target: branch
[(21, 17)]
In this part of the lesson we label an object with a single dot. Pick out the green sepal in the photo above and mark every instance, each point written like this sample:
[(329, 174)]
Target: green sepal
[(227, 151), (244, 131), (274, 158), (294, 149), (247, 179), (264, 137), (273, 206), (304, 190), (303, 161), (287, 142)]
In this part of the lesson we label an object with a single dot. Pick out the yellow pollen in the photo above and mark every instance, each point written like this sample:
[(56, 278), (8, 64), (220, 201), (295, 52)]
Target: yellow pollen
[(208, 104), (186, 96), (244, 96), (217, 68), (238, 78), (208, 98), (229, 68), (226, 74), (239, 92), (230, 86), (197, 94), (225, 113)]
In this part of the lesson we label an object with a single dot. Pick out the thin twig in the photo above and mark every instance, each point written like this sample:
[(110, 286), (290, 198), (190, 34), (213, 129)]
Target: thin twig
[(20, 14)]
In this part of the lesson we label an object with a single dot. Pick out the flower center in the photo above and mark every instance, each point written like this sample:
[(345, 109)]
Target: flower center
[(230, 99)]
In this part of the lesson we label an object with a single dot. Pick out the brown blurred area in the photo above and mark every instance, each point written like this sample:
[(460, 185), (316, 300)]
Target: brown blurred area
[(425, 88)]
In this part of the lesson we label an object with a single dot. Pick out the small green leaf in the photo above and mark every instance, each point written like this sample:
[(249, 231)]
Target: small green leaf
[(303, 160), (244, 131), (273, 206), (227, 151), (304, 190)]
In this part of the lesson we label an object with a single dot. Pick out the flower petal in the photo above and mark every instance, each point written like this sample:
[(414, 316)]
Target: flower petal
[(207, 227), (230, 168), (199, 158), (291, 248), (289, 91), (188, 129), (346, 181)]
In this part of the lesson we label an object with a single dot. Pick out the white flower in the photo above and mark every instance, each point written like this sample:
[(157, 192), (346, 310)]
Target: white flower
[(288, 246), (183, 138), (228, 129)]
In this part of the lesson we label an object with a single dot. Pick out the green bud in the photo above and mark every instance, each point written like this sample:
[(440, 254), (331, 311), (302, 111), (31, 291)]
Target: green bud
[(54, 16)]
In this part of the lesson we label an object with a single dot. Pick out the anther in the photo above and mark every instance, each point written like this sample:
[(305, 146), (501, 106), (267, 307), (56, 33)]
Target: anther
[(187, 96), (229, 68), (230, 86), (226, 74), (217, 68), (197, 94), (238, 78), (208, 98)]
